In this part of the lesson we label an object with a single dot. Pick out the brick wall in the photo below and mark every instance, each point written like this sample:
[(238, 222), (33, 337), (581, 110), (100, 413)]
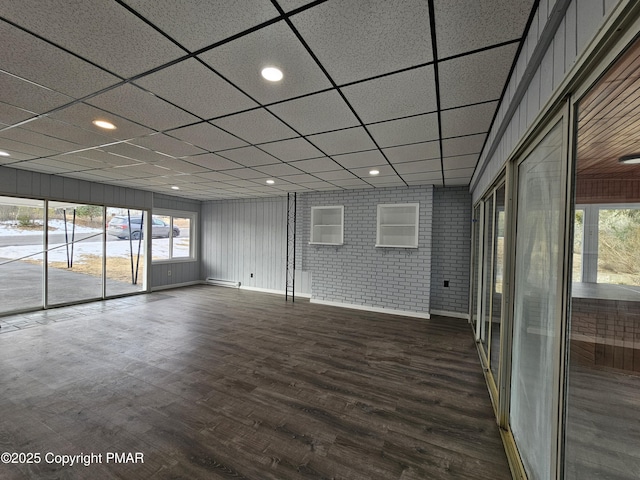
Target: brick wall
[(357, 272), (451, 250)]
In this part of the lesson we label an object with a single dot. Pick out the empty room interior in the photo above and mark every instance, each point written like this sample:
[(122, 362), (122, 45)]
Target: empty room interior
[(286, 239)]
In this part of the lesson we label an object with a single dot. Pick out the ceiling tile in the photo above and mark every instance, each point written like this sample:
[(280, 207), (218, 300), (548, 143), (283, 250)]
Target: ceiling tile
[(160, 142), (416, 129), (399, 95), (386, 181), (288, 5), (79, 160), (336, 175), (249, 156), (110, 159), (49, 66), (135, 152), (467, 120), (49, 165), (343, 141), (208, 137), (181, 166), (256, 126), (323, 164), (230, 18), (83, 27), (460, 182), (290, 150), (23, 150), (300, 178), (453, 147), (321, 186), (317, 113), (370, 158), (83, 115), (458, 173), (133, 103), (37, 140), (463, 161), (475, 78), (217, 176), (422, 178), (29, 96), (278, 169), (363, 172), (14, 156), (351, 183), (194, 87), (420, 166), (10, 115), (356, 40), (241, 183), (80, 137), (272, 46), (245, 173), (464, 26), (212, 161), (409, 153)]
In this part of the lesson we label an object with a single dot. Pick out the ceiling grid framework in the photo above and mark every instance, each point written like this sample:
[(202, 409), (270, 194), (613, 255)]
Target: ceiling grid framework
[(405, 87)]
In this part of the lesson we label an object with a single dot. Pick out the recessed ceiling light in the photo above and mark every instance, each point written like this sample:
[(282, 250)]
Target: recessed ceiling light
[(271, 182), (630, 159), (104, 124), (374, 172), (272, 74), (175, 188), (4, 154)]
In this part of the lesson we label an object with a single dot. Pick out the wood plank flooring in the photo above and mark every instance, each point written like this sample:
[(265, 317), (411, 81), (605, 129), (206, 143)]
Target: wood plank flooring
[(211, 382)]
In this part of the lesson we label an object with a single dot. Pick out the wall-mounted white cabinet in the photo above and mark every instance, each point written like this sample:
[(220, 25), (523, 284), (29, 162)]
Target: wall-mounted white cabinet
[(327, 225), (398, 225)]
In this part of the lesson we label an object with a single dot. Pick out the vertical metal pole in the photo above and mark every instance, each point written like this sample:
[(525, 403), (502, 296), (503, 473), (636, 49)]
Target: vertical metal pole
[(104, 251), (66, 235), (73, 235), (135, 279), (133, 282), (291, 247)]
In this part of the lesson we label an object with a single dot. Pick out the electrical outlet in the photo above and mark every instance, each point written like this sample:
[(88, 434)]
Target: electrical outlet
[(446, 283), (168, 273), (252, 275)]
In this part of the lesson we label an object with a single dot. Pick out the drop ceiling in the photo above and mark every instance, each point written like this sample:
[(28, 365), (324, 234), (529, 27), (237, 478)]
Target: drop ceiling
[(406, 87)]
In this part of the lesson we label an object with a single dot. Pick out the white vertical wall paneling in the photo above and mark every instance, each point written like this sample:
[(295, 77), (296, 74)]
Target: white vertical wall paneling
[(571, 36), (589, 16), (251, 241), (608, 5), (581, 23), (533, 99)]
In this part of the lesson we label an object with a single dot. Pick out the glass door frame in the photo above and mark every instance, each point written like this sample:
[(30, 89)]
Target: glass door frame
[(480, 290)]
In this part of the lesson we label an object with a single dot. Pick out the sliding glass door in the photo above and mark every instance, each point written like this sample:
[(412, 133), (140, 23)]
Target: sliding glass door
[(21, 247), (75, 238), (537, 307)]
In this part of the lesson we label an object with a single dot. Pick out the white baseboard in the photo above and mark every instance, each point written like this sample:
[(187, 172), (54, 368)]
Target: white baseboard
[(176, 285), (404, 313), (444, 313), (269, 290)]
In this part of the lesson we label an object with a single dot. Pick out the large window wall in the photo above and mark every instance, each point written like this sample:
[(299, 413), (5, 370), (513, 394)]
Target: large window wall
[(557, 249), (56, 253)]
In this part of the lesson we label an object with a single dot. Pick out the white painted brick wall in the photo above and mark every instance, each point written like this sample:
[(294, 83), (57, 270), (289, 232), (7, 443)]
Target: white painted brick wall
[(359, 273), (451, 249)]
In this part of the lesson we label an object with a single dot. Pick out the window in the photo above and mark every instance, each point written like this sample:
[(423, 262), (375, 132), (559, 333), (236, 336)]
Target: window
[(607, 239), (173, 235)]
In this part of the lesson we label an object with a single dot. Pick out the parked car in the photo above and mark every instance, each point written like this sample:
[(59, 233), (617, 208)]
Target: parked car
[(119, 227)]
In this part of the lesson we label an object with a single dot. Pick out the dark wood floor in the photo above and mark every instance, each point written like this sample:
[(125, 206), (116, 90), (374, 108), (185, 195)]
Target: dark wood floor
[(211, 382)]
